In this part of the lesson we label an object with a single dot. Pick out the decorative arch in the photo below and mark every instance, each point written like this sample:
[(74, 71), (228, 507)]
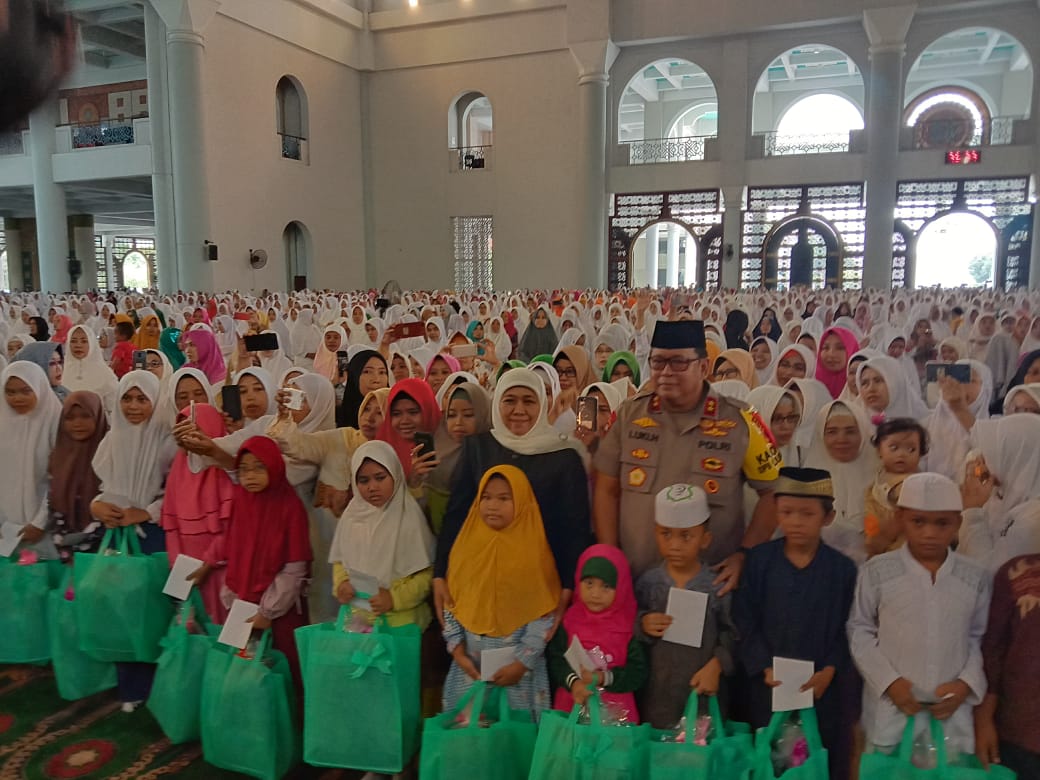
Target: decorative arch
[(470, 120), (297, 247), (990, 64), (959, 207), (698, 211), (660, 92), (802, 249), (291, 116), (801, 71)]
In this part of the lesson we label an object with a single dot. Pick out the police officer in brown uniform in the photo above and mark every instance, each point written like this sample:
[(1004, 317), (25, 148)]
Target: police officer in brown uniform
[(682, 431)]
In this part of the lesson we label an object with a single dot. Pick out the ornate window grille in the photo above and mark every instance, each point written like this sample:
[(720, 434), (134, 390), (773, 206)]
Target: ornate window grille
[(103, 133), (699, 211), (1004, 201), (473, 252), (124, 245), (778, 144), (665, 150), (841, 204), (11, 143), (99, 260)]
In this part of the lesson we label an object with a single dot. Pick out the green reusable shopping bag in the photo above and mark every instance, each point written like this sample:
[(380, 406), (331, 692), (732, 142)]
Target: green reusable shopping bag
[(23, 623), (815, 766), (726, 757), (77, 674), (361, 704), (501, 750), (899, 766), (247, 711), (569, 750), (121, 611), (176, 695)]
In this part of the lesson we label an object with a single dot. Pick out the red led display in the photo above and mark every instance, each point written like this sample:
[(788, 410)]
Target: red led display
[(963, 157)]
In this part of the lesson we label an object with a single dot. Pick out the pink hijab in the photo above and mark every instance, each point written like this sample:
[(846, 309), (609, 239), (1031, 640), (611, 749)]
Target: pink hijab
[(451, 361), (607, 633), (210, 362), (836, 380)]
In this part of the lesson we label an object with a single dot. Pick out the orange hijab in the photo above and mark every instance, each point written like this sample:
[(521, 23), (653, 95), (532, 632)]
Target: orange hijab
[(502, 580)]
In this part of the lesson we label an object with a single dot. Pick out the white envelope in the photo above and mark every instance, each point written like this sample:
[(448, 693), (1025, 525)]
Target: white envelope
[(236, 629), (177, 584), (9, 538), (578, 657), (792, 674), (688, 608), (493, 660)]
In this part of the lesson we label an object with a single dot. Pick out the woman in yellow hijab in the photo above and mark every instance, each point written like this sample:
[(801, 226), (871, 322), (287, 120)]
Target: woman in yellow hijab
[(147, 336), (503, 580)]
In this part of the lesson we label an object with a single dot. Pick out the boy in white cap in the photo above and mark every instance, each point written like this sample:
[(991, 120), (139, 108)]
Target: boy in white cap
[(917, 622), (681, 517)]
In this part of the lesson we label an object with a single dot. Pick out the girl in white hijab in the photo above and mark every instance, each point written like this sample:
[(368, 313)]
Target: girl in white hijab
[(134, 458), (842, 447), (884, 391), (765, 353), (85, 367), (1002, 492), (495, 332), (390, 541), (29, 418)]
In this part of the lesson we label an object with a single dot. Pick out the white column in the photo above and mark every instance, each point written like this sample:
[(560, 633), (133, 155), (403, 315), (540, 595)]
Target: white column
[(13, 241), (650, 255), (185, 50), (732, 235), (594, 59), (672, 268), (162, 158), (52, 230), (886, 29), (692, 253), (81, 227), (110, 268), (734, 93)]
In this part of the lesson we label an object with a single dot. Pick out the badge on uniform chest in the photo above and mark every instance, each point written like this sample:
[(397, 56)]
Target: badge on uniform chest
[(718, 446)]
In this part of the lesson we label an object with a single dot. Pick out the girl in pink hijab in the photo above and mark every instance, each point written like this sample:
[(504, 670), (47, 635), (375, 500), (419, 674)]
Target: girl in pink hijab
[(602, 616), (62, 324), (203, 353), (196, 512), (837, 345)]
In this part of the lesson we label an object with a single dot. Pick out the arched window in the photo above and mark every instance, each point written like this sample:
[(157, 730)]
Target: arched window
[(666, 111), (136, 271), (967, 88), (807, 101), (291, 118), (471, 131), (296, 244)]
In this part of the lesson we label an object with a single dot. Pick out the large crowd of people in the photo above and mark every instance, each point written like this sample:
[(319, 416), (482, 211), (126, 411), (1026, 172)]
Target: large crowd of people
[(853, 479)]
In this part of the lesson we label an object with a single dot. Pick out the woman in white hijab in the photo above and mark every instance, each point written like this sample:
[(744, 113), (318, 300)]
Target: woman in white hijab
[(950, 424), (1002, 492), (495, 332), (1024, 399), (884, 391), (391, 543), (85, 367), (305, 337), (812, 395), (842, 447), (29, 418), (765, 353)]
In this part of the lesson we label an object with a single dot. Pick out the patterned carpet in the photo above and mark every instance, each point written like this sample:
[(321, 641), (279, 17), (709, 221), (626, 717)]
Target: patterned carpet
[(43, 737)]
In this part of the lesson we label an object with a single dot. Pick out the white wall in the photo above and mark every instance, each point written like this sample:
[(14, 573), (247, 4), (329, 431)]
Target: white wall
[(254, 192), (529, 189)]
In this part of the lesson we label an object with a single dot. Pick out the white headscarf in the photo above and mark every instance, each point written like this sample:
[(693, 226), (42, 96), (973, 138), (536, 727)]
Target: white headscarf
[(263, 377), (387, 543), (25, 447), (850, 480), (765, 399), (899, 399), (766, 374), (805, 353), (90, 373), (132, 461), (170, 410), (277, 362), (1032, 390), (542, 437), (949, 441)]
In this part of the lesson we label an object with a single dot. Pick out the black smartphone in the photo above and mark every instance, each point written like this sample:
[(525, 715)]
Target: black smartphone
[(342, 361), (959, 371), (140, 360), (265, 342), (426, 440), (587, 409), (231, 401)]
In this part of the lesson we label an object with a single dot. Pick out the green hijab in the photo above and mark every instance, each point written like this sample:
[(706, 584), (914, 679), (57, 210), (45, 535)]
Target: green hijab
[(168, 341), (622, 357)]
